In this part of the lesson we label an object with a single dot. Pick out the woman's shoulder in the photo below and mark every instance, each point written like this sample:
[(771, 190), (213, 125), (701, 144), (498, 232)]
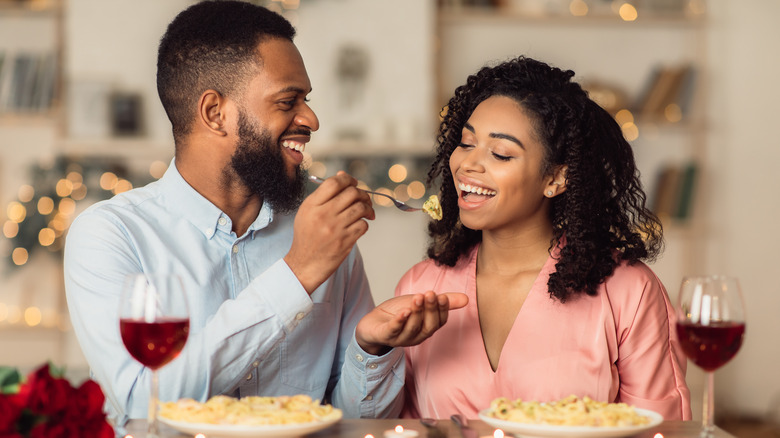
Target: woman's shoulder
[(431, 275), (633, 286)]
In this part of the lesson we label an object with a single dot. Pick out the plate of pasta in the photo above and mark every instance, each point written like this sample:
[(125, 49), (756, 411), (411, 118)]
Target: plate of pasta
[(569, 417), (228, 417)]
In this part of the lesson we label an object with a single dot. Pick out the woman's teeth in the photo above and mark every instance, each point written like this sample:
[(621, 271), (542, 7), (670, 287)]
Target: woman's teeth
[(474, 189), (294, 145)]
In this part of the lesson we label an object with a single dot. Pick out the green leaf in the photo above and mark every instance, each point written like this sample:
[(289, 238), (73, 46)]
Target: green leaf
[(9, 380)]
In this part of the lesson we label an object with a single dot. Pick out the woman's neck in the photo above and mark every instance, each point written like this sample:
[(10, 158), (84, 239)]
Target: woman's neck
[(514, 253)]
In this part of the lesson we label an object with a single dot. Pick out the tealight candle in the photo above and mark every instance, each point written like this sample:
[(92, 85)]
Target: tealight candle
[(400, 432), (498, 433)]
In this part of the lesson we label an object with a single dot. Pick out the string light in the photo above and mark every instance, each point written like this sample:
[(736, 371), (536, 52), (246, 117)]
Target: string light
[(32, 316), (578, 8), (45, 205), (416, 189), (628, 12), (397, 173), (16, 212)]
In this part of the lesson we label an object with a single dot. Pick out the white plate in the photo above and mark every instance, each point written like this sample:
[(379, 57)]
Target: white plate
[(230, 431), (542, 430)]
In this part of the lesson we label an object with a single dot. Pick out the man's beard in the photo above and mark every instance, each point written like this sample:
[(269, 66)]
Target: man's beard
[(259, 163)]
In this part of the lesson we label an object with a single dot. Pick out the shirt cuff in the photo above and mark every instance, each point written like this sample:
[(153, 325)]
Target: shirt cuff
[(372, 366)]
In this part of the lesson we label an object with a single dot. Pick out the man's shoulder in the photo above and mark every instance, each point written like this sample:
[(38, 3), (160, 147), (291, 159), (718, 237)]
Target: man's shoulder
[(122, 205)]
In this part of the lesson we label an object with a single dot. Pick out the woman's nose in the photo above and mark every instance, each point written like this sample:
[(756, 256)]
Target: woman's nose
[(473, 159)]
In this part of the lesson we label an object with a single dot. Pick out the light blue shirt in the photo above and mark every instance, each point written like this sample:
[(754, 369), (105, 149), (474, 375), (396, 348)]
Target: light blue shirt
[(253, 328)]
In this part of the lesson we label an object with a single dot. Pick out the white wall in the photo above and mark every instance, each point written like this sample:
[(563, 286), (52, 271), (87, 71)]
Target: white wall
[(744, 205)]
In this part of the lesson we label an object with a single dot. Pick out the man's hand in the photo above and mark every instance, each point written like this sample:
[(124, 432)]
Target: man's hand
[(406, 320), (327, 225)]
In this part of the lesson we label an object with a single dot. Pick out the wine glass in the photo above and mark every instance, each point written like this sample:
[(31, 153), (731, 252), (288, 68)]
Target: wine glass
[(710, 328), (154, 324)]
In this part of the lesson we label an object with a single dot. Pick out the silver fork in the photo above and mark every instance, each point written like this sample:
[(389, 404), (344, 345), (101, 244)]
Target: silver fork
[(400, 205)]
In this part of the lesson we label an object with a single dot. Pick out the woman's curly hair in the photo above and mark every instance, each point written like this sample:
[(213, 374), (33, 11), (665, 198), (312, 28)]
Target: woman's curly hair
[(602, 213)]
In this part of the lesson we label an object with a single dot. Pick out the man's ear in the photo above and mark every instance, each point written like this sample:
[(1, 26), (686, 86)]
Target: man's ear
[(557, 182), (211, 112)]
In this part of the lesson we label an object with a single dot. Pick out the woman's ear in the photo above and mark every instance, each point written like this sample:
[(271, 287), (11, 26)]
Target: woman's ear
[(557, 182), (211, 112)]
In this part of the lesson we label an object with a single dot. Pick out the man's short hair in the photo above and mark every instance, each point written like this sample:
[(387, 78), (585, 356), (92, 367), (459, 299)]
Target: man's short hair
[(211, 45)]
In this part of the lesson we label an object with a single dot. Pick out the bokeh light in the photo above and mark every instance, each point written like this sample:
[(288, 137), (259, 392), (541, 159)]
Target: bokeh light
[(26, 193), (630, 131), (397, 173), (673, 113), (157, 169), (628, 12), (46, 237), (108, 181), (10, 229), (578, 8), (416, 189), (32, 316), (19, 256), (45, 205), (67, 206), (16, 212), (64, 188)]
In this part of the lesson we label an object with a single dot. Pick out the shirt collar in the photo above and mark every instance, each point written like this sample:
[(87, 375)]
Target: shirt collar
[(204, 215)]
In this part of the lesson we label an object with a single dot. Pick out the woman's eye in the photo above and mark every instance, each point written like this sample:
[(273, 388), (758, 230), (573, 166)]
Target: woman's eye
[(501, 157), (464, 145)]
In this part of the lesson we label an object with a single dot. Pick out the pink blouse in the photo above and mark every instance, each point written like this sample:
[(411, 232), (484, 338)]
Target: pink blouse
[(616, 346)]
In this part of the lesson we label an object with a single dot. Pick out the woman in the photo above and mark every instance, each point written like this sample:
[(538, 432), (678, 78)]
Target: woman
[(545, 228)]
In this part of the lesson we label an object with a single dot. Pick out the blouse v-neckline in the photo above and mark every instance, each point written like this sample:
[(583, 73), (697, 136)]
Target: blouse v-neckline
[(533, 294)]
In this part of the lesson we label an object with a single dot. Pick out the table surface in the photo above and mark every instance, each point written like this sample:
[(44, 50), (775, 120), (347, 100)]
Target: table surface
[(353, 428)]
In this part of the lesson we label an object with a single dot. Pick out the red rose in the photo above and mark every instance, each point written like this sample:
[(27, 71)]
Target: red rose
[(48, 395), (87, 401), (9, 413), (70, 427)]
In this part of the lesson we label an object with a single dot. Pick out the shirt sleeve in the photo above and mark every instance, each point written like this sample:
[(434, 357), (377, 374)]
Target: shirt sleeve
[(99, 254), (369, 386), (651, 364)]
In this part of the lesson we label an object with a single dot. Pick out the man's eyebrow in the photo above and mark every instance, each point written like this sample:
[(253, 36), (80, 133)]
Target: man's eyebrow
[(293, 88)]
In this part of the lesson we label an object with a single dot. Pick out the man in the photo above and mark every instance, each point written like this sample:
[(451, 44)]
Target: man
[(279, 302)]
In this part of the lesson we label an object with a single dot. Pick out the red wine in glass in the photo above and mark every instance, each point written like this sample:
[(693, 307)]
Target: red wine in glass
[(710, 320), (154, 344), (154, 326), (710, 346)]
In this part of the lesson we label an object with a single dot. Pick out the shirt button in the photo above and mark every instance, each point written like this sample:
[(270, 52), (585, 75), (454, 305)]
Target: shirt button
[(235, 249), (255, 364), (300, 316), (249, 377), (359, 357), (222, 221), (369, 397), (372, 366)]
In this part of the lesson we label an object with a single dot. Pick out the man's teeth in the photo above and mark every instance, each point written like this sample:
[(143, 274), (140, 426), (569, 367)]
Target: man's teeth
[(474, 189), (294, 145)]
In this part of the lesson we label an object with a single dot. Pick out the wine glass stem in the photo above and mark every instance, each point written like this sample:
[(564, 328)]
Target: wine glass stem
[(152, 432), (708, 414)]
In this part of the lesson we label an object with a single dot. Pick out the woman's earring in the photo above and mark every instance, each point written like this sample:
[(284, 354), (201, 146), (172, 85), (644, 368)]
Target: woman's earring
[(549, 193)]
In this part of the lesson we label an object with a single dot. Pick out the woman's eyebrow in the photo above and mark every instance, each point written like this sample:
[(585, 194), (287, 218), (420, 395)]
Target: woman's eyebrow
[(507, 137)]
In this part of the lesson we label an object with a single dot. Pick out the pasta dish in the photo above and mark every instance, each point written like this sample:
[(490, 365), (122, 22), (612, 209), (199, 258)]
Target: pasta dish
[(249, 411), (569, 411)]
